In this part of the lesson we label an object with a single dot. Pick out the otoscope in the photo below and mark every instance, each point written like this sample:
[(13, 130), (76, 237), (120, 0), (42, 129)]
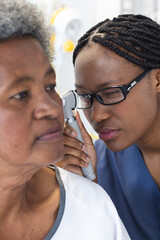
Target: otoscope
[(69, 104)]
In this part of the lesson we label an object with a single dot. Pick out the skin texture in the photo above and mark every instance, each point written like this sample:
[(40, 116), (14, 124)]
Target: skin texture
[(97, 68), (135, 120), (77, 154), (21, 118), (31, 127)]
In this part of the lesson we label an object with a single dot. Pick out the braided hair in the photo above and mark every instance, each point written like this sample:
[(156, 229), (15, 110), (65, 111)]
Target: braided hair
[(133, 37)]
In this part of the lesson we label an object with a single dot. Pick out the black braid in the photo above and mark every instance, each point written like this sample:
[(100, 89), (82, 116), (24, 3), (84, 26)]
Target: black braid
[(133, 37), (85, 38)]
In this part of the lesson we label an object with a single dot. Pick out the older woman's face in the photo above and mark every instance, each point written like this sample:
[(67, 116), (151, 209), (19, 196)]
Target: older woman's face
[(125, 123), (31, 117)]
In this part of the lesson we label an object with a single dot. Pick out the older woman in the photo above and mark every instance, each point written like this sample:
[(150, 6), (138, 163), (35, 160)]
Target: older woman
[(36, 201)]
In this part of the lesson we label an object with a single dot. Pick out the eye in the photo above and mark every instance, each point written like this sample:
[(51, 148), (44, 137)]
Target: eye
[(20, 95), (111, 93), (83, 95), (51, 88)]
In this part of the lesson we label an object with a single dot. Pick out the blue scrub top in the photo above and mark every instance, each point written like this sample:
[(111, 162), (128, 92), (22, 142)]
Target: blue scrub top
[(131, 187)]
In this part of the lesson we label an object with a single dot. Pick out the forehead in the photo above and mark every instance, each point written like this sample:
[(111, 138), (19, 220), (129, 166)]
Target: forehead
[(26, 45), (21, 56), (96, 64), (99, 56)]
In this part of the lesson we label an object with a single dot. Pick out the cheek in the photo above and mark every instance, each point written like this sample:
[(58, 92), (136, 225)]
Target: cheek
[(58, 101), (13, 130), (61, 115), (14, 137), (9, 124), (137, 117), (87, 113)]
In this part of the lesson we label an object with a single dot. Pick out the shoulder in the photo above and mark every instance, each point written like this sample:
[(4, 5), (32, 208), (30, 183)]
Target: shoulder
[(75, 183), (85, 190), (87, 202), (72, 181), (99, 145)]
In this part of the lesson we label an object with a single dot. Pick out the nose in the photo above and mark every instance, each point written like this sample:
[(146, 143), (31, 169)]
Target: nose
[(99, 112), (47, 107)]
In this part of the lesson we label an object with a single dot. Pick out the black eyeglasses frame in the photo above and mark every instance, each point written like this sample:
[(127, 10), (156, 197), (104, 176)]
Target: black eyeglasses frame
[(125, 89)]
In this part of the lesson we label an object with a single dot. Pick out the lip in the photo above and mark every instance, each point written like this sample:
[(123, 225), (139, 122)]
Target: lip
[(108, 133), (53, 133)]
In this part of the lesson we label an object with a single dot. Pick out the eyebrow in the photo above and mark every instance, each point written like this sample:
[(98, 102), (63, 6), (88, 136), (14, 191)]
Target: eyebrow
[(97, 86), (50, 72), (20, 80), (27, 78)]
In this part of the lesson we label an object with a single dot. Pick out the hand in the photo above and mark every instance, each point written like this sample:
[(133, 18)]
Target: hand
[(77, 154)]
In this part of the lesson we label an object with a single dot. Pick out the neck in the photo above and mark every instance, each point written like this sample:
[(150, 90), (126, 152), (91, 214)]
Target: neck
[(152, 161), (26, 201), (22, 188), (149, 143), (150, 149)]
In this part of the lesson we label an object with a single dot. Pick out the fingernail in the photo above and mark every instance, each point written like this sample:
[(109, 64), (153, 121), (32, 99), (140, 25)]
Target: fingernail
[(85, 163), (88, 159), (84, 148), (70, 132), (73, 134), (67, 130)]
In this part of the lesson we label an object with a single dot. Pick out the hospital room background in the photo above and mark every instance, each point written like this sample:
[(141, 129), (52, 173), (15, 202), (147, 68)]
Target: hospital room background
[(71, 18)]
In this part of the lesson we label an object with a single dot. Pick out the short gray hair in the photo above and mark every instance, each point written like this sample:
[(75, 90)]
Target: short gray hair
[(19, 18)]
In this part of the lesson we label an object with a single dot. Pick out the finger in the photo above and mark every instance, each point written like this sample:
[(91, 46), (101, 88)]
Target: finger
[(75, 169), (72, 142), (76, 153), (71, 160), (68, 130), (86, 137)]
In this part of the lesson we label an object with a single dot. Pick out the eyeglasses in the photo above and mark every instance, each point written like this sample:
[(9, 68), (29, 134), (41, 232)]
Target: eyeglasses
[(108, 96)]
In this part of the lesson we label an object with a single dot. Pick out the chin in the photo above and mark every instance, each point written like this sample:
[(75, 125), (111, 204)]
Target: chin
[(51, 156), (57, 158), (116, 146)]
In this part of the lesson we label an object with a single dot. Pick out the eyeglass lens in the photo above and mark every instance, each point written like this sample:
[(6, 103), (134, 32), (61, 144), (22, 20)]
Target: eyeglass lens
[(106, 96)]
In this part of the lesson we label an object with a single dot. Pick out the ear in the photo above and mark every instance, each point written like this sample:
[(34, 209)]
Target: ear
[(157, 78)]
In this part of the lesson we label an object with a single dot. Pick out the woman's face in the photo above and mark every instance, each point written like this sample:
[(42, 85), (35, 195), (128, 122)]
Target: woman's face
[(31, 117), (125, 123)]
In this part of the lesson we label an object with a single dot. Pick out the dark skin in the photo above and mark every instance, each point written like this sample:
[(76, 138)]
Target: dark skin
[(75, 151), (135, 120), (31, 126)]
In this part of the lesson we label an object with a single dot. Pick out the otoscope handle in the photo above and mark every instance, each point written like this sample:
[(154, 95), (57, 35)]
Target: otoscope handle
[(69, 104), (88, 171)]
